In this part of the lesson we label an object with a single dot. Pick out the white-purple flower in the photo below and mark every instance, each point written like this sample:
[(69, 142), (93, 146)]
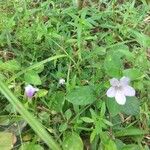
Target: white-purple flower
[(61, 81), (30, 91), (120, 89)]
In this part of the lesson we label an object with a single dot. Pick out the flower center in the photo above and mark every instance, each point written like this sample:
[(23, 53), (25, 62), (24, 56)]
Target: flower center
[(119, 87)]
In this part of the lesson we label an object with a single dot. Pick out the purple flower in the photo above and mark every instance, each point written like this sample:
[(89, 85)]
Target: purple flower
[(120, 89), (30, 90)]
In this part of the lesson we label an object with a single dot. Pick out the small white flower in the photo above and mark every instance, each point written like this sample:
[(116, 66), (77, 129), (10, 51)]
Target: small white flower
[(120, 89), (61, 81), (30, 90)]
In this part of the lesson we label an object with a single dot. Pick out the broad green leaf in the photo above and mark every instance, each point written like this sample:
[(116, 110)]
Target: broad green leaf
[(110, 145), (113, 65), (131, 131), (81, 96), (32, 77), (11, 65), (131, 107), (30, 146), (39, 69), (133, 73), (72, 142), (112, 106), (57, 101), (99, 51), (139, 85), (63, 127), (68, 114), (42, 93), (122, 50), (7, 140), (104, 137), (106, 142), (128, 55)]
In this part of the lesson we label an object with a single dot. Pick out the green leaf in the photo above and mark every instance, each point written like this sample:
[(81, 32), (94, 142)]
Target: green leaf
[(39, 69), (32, 77), (106, 142), (27, 146), (81, 96), (122, 50), (93, 135), (63, 127), (57, 101), (103, 109), (131, 107), (72, 142), (113, 65), (141, 38), (110, 145), (87, 119), (68, 114), (6, 140), (99, 50), (133, 73), (119, 144), (42, 93), (11, 65), (112, 106), (131, 147), (107, 122), (4, 121), (131, 131)]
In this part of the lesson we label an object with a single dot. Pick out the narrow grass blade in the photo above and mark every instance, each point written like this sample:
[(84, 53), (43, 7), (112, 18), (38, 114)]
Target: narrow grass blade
[(36, 65), (34, 123)]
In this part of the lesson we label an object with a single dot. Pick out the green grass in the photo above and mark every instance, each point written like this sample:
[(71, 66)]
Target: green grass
[(87, 44)]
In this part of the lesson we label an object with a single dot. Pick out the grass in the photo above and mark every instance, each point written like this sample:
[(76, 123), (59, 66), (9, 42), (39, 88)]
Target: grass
[(87, 44)]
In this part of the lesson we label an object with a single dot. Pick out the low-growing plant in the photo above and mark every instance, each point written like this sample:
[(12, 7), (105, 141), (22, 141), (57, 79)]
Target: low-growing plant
[(76, 75)]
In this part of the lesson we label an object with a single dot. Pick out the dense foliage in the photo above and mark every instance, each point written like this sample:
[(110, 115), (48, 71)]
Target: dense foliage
[(70, 53)]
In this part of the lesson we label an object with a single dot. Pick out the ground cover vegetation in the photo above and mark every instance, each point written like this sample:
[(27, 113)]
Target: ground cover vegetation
[(74, 75)]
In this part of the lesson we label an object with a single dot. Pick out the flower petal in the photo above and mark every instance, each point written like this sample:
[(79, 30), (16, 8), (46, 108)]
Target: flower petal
[(114, 82), (61, 81), (120, 97), (30, 90), (111, 92), (30, 93), (28, 87), (128, 91), (124, 81)]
